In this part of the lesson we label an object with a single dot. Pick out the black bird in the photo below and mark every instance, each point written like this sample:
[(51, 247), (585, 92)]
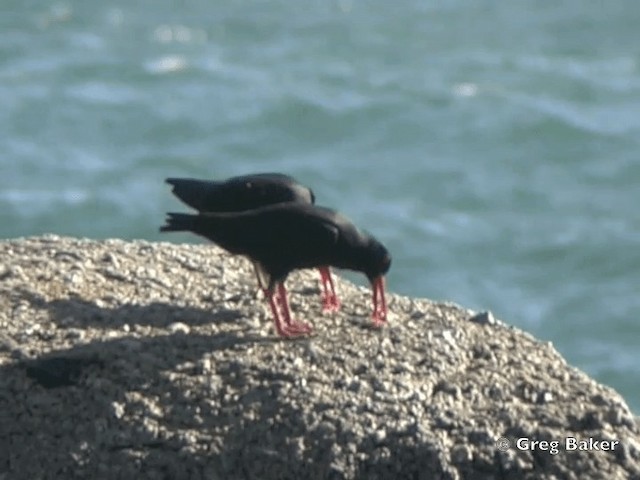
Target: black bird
[(248, 192), (289, 236), (244, 192)]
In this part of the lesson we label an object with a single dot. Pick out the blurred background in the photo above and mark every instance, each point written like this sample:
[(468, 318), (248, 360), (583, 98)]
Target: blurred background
[(493, 146)]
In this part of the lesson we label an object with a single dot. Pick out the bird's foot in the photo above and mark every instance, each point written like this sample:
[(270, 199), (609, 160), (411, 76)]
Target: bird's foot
[(330, 304), (379, 319), (289, 331), (296, 328)]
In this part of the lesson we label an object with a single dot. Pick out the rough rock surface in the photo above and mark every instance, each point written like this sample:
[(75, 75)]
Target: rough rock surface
[(154, 360)]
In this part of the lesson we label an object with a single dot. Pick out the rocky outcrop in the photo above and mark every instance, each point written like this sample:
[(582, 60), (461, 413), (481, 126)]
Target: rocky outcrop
[(153, 360)]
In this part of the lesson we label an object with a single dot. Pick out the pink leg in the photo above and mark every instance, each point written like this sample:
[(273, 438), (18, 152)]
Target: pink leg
[(276, 313), (293, 327), (379, 315), (330, 302)]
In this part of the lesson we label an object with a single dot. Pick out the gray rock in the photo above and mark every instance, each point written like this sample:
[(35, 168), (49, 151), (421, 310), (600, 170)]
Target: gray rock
[(154, 360), (484, 318)]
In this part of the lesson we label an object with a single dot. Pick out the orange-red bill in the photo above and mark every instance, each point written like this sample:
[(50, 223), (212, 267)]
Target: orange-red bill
[(379, 315)]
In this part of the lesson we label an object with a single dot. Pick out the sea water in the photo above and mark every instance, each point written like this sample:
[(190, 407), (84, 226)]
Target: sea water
[(493, 146)]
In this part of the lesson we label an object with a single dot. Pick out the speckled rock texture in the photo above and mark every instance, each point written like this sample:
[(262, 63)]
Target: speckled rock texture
[(138, 360)]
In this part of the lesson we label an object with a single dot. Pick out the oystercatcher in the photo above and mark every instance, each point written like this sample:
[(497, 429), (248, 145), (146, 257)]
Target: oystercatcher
[(247, 192), (288, 236)]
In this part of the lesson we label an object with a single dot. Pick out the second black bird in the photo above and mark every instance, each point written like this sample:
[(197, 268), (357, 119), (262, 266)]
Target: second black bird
[(247, 192)]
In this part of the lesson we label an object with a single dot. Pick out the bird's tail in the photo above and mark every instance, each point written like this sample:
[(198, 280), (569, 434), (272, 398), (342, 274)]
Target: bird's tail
[(180, 222), (191, 191)]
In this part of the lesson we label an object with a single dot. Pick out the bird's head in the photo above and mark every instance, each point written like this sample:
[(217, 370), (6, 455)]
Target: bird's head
[(376, 260)]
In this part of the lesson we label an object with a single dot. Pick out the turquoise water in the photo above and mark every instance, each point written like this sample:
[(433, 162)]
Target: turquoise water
[(492, 146)]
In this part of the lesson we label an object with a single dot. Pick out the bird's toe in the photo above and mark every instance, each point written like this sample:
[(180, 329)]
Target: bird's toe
[(379, 320), (296, 328), (330, 304)]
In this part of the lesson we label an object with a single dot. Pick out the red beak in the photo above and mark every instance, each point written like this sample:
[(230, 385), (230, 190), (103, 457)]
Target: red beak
[(379, 315)]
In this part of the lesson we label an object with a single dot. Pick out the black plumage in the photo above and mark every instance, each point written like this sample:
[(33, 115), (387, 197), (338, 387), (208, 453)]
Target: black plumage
[(248, 192), (244, 192), (284, 237)]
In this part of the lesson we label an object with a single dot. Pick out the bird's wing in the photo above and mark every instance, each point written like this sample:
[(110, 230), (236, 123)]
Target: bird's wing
[(288, 231), (281, 238)]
